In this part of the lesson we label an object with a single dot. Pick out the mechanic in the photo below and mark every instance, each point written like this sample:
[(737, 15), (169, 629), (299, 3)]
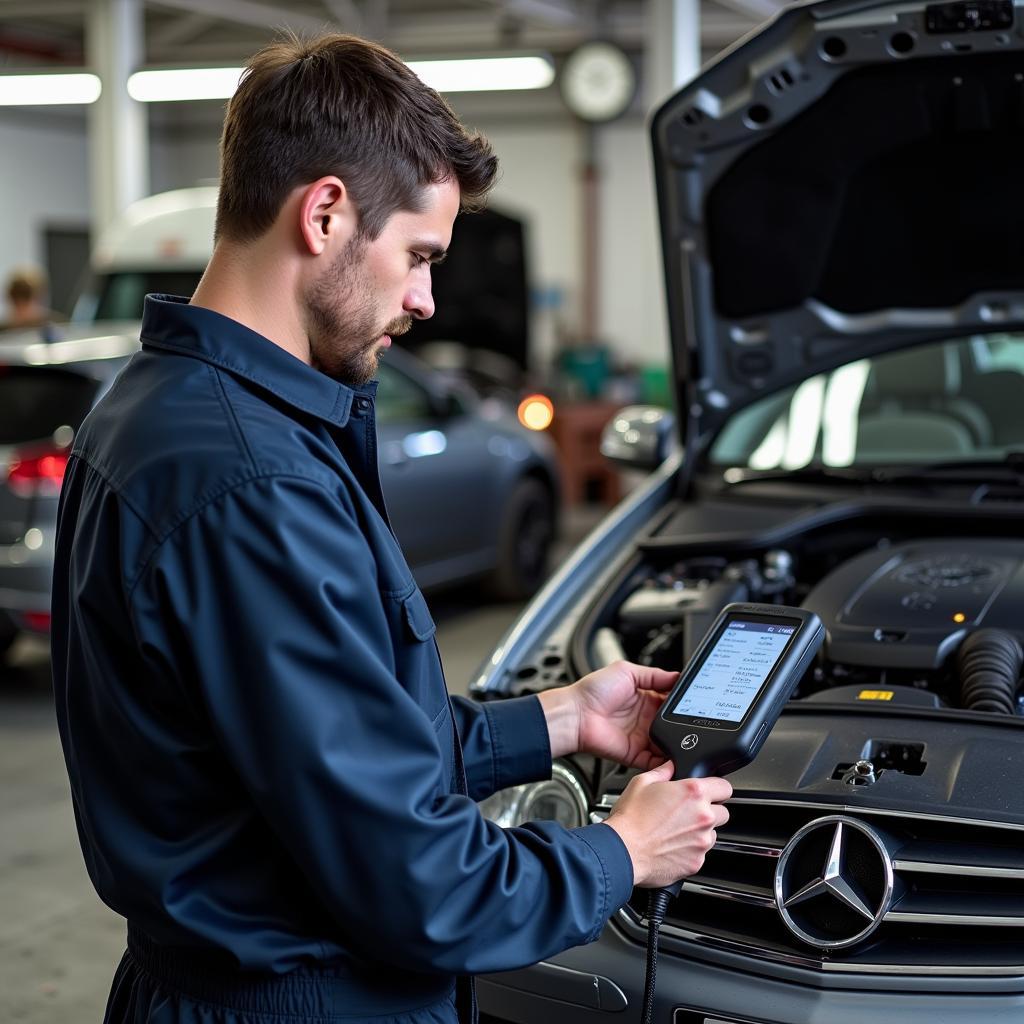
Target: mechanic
[(270, 781)]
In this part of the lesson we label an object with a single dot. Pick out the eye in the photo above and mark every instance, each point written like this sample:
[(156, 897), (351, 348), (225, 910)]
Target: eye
[(419, 259)]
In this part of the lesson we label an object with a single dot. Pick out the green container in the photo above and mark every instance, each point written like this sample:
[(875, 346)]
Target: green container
[(656, 385), (589, 367)]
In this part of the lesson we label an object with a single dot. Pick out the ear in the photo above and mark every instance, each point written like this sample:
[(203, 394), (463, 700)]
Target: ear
[(327, 215)]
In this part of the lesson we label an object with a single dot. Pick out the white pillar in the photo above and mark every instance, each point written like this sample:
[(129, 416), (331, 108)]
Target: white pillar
[(118, 126), (673, 48)]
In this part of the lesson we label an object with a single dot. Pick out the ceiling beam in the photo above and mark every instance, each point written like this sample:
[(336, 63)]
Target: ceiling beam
[(180, 30), (250, 12), (423, 34), (43, 9), (563, 13), (40, 48), (557, 13)]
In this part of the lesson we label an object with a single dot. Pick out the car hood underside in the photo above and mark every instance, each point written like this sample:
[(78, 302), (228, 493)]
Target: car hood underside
[(846, 182)]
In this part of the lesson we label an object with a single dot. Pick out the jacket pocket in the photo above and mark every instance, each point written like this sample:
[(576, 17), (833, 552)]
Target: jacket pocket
[(417, 663), (418, 621)]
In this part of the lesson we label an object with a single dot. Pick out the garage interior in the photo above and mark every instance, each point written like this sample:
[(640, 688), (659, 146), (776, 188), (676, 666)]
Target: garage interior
[(577, 188)]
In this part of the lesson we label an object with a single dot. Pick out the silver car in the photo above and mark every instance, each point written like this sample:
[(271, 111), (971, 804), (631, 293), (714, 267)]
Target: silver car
[(841, 212), (472, 494)]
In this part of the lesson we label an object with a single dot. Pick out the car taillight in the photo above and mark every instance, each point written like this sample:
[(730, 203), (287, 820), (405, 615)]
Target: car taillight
[(37, 473), (39, 622)]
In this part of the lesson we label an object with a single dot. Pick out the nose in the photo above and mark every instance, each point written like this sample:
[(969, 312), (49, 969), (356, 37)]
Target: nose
[(419, 300)]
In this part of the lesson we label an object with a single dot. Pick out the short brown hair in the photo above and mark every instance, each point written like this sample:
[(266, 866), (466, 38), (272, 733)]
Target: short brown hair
[(340, 105)]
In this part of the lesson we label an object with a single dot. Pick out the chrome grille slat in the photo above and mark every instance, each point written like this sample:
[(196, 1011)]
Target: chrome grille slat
[(959, 908), (970, 870), (963, 920), (749, 849), (726, 892)]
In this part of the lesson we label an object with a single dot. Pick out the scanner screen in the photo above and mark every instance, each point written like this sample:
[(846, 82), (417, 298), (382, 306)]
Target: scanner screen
[(735, 670)]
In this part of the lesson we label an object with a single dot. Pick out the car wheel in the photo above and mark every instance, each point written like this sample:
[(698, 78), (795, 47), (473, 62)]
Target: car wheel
[(524, 543), (7, 638)]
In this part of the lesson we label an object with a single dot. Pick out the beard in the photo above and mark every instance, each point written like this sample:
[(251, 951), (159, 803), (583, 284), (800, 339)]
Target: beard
[(344, 321)]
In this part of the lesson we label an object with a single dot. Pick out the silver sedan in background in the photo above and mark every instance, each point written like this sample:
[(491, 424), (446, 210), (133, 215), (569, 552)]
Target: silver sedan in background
[(472, 494)]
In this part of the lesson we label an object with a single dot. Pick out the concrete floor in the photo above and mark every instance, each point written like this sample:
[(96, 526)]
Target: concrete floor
[(58, 944)]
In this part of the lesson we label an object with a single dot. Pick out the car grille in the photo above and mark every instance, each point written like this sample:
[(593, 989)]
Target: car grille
[(957, 905)]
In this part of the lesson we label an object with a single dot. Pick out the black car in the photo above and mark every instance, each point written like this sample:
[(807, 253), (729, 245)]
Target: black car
[(841, 212), (472, 494)]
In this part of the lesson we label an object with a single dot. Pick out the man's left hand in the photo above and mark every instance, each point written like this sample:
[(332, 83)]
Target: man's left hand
[(609, 713)]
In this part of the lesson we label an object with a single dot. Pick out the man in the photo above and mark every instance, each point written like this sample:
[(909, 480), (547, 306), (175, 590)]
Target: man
[(269, 779)]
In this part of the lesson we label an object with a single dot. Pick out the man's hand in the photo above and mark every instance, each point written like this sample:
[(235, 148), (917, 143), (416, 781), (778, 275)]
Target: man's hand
[(609, 713), (666, 826)]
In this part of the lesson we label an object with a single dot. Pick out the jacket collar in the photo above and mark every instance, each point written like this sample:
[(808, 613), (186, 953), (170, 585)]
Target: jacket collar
[(169, 322)]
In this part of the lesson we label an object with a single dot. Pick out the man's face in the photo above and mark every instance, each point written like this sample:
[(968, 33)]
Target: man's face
[(373, 290)]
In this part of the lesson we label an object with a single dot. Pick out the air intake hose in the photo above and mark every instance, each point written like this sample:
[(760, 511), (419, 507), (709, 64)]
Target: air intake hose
[(990, 663)]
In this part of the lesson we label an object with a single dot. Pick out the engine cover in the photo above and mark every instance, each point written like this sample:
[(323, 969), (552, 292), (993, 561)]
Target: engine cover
[(910, 605)]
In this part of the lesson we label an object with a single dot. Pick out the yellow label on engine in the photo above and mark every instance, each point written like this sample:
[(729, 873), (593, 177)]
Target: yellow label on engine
[(876, 695)]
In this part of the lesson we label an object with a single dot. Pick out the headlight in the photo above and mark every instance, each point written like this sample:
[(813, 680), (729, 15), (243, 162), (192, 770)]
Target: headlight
[(560, 798)]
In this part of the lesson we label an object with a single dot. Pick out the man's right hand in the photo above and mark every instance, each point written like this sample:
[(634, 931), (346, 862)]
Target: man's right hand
[(668, 826)]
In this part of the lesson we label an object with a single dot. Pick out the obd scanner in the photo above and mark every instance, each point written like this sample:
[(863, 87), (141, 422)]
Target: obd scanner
[(723, 707)]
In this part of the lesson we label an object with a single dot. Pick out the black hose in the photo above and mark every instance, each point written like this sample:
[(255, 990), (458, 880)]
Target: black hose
[(990, 662), (657, 904)]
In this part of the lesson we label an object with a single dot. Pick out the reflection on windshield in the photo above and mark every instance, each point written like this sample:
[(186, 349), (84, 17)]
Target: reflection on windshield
[(947, 400), (822, 413)]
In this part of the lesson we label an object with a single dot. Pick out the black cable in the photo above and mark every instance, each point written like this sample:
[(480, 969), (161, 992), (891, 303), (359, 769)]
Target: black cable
[(990, 662), (657, 905)]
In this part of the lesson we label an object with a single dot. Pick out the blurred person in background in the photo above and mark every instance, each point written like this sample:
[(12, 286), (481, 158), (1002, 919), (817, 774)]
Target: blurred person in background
[(26, 292)]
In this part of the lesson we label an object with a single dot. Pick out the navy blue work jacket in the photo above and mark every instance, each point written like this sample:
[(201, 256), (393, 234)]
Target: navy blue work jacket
[(265, 764)]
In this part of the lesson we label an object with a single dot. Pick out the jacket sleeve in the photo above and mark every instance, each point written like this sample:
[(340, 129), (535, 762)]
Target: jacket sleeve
[(273, 594), (504, 743)]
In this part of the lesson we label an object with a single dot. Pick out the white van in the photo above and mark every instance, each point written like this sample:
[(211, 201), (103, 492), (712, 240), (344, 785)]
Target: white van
[(161, 244)]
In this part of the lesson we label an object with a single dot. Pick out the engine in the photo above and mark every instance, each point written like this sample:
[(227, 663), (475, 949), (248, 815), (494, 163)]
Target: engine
[(935, 621)]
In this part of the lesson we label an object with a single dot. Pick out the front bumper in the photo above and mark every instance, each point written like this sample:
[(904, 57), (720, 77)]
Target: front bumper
[(726, 991)]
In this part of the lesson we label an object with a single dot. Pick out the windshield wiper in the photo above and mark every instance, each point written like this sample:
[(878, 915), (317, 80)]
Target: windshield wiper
[(1008, 469), (805, 474)]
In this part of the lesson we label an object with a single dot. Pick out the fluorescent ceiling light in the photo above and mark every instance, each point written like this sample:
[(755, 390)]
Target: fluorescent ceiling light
[(477, 74), (46, 89), (485, 74), (183, 84)]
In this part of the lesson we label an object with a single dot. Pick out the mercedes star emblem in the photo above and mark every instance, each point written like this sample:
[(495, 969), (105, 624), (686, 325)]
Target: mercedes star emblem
[(689, 741), (834, 882)]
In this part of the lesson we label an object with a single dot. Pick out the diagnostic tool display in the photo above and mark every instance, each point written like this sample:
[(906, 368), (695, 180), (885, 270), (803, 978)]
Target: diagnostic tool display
[(735, 670), (733, 690)]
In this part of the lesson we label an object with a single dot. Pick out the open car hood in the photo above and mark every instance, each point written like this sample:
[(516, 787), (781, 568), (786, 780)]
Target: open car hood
[(847, 181)]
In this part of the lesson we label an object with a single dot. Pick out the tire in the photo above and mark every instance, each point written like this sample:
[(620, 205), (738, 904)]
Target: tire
[(524, 542), (7, 638)]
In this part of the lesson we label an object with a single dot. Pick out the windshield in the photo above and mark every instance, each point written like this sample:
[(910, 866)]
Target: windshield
[(945, 401), (119, 296)]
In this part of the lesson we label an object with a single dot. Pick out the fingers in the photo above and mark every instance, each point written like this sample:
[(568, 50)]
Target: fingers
[(647, 677), (712, 789), (660, 773)]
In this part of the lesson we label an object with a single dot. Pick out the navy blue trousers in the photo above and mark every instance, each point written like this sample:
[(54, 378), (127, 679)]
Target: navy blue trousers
[(154, 985)]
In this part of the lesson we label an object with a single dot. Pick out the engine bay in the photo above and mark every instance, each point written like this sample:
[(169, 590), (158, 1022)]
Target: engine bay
[(933, 622)]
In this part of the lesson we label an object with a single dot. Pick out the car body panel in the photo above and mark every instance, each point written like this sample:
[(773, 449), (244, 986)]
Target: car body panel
[(802, 257)]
